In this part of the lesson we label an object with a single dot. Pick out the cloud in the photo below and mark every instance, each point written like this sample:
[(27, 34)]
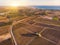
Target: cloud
[(31, 2)]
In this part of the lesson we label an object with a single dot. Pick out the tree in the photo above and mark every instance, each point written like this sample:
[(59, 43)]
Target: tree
[(55, 18)]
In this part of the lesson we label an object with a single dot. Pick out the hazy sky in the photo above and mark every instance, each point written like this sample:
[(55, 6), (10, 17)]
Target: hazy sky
[(30, 2)]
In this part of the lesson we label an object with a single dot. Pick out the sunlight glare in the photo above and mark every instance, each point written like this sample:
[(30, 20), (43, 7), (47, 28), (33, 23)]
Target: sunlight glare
[(15, 4)]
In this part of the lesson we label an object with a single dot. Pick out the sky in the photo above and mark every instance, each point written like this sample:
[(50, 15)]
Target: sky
[(29, 2)]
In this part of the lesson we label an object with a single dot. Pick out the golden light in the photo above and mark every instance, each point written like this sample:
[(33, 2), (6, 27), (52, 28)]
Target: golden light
[(18, 3), (14, 4)]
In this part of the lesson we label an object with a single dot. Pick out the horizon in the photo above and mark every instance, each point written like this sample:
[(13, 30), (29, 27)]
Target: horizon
[(33, 5)]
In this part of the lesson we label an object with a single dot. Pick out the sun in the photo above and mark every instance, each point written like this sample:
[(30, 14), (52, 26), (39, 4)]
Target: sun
[(14, 4), (17, 3)]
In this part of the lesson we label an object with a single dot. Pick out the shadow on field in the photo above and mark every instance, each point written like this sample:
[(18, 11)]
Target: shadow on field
[(29, 35), (6, 42), (4, 23)]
